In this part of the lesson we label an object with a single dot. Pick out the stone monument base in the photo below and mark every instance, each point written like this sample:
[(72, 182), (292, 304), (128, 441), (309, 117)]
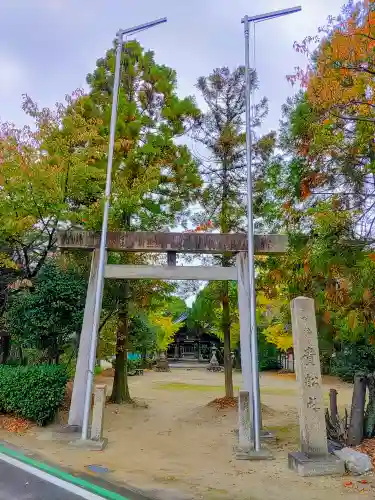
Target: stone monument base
[(162, 365), (252, 454), (327, 465), (68, 429)]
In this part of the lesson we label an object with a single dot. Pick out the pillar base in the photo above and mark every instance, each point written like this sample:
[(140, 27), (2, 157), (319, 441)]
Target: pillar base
[(68, 429), (251, 454), (265, 436), (89, 444)]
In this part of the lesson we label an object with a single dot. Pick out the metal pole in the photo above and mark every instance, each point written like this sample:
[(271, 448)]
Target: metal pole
[(103, 241), (250, 238)]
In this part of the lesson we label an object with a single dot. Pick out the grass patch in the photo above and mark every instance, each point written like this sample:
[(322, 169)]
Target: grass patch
[(180, 386), (285, 433)]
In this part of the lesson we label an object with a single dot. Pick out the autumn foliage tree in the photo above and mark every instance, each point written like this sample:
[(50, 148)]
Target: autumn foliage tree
[(339, 78), (335, 115), (45, 169)]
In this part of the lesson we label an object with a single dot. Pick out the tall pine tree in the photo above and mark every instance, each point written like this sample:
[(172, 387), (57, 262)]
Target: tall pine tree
[(221, 132)]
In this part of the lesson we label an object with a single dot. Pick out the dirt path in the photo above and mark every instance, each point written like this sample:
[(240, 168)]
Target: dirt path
[(179, 443)]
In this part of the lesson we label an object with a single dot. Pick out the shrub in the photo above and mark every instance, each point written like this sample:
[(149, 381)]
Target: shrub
[(134, 364), (268, 355), (32, 392), (352, 359)]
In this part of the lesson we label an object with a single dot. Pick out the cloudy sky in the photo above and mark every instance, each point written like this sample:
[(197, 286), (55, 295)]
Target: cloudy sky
[(48, 46)]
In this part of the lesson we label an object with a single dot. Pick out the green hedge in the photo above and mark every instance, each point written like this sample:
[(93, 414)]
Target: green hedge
[(32, 392)]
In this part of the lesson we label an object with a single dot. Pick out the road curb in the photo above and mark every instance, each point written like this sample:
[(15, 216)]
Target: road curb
[(69, 478)]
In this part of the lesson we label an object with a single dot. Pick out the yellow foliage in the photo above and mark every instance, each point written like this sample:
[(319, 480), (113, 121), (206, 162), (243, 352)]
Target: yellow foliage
[(6, 262), (217, 328), (166, 330), (276, 334)]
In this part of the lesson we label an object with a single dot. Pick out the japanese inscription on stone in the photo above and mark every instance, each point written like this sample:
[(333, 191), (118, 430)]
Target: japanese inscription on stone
[(244, 437), (307, 363)]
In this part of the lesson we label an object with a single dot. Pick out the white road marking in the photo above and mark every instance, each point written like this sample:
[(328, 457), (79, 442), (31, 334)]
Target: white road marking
[(72, 488)]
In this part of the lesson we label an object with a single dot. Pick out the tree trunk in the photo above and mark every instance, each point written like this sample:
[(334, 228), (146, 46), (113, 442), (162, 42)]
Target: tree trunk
[(5, 348), (228, 365), (120, 391), (227, 351), (333, 406), (369, 427), (355, 434), (144, 358)]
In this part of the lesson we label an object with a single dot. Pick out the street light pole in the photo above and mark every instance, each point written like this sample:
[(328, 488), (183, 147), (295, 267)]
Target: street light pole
[(103, 240), (250, 233)]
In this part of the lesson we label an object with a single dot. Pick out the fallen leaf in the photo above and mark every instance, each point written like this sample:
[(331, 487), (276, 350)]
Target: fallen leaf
[(223, 403)]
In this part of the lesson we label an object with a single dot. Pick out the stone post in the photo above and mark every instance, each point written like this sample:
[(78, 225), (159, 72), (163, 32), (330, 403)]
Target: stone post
[(176, 351), (244, 425), (78, 396), (98, 413), (313, 458)]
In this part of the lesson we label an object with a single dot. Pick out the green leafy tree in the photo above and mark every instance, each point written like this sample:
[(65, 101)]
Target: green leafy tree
[(48, 316)]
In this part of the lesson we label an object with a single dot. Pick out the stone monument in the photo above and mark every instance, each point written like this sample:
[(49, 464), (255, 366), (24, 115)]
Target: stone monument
[(98, 413), (96, 441), (245, 438), (162, 364), (313, 458), (214, 364)]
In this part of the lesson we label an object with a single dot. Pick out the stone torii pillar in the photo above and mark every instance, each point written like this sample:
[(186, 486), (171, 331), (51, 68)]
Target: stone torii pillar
[(80, 379)]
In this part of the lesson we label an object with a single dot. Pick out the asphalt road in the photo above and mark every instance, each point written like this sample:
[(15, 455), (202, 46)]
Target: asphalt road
[(17, 484)]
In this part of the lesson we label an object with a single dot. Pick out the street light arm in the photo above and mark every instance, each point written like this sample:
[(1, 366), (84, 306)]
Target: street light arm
[(272, 15), (141, 27)]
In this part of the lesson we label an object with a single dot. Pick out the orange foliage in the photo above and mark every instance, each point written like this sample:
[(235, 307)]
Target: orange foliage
[(305, 190), (327, 317), (306, 266), (201, 228), (341, 83), (367, 295)]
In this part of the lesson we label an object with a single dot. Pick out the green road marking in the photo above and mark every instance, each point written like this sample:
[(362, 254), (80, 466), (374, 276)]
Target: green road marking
[(62, 475)]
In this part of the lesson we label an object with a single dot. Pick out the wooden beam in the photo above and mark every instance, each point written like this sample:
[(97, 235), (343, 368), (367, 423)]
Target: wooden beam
[(208, 243), (202, 273)]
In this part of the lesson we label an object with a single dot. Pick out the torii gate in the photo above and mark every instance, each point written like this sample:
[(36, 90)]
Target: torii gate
[(170, 243)]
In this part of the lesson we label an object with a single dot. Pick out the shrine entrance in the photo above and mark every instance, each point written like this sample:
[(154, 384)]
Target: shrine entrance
[(171, 244)]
